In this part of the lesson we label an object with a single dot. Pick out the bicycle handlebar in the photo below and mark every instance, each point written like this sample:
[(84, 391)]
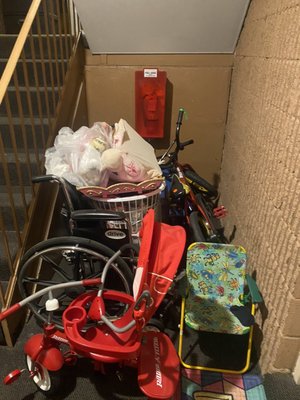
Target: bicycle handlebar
[(179, 145), (180, 116), (186, 143)]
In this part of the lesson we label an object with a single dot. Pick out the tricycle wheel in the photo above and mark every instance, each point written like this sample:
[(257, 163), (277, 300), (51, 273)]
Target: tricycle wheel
[(48, 382), (155, 325)]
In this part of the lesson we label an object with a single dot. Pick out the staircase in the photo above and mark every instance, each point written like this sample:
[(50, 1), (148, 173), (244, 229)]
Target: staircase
[(28, 114), (13, 15)]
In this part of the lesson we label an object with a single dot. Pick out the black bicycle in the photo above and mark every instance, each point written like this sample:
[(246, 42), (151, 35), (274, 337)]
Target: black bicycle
[(189, 200)]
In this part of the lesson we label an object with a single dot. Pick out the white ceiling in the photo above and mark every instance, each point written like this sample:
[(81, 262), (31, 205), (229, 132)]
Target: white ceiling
[(162, 26)]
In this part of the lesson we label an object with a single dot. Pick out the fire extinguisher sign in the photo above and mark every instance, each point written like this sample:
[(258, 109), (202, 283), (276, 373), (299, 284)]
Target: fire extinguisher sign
[(150, 73)]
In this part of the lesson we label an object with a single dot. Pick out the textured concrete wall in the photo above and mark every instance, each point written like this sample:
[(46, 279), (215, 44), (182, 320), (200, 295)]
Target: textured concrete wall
[(260, 169)]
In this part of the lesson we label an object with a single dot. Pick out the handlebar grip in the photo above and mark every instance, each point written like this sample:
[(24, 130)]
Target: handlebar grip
[(180, 116), (186, 143), (9, 311), (45, 178)]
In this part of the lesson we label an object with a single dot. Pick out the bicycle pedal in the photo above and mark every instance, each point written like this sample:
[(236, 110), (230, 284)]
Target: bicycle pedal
[(220, 212)]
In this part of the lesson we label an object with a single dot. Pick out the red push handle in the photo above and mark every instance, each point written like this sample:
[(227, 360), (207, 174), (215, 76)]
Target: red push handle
[(6, 313), (91, 282), (9, 311)]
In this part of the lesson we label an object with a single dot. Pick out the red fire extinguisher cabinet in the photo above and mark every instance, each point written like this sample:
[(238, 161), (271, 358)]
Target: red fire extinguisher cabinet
[(150, 100)]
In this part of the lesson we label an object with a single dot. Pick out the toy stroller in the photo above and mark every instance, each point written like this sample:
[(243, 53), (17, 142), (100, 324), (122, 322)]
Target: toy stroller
[(128, 340)]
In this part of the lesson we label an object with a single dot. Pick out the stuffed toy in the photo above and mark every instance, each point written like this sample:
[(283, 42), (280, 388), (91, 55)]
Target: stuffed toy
[(131, 158)]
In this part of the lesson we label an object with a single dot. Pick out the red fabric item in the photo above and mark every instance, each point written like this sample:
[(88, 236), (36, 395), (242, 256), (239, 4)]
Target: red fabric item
[(160, 254)]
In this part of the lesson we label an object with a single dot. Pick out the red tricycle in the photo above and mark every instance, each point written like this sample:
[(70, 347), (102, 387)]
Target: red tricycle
[(129, 339)]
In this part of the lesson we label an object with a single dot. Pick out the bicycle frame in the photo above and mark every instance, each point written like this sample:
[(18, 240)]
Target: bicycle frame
[(192, 205)]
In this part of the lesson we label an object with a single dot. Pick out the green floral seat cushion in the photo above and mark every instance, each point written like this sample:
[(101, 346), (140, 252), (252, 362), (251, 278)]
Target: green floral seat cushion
[(216, 276)]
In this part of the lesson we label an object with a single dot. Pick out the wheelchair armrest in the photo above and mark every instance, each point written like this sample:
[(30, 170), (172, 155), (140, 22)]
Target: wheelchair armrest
[(95, 214), (74, 199), (253, 289), (48, 178)]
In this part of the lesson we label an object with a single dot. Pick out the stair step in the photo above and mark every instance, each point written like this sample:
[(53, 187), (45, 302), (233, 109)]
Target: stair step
[(13, 248), (24, 168), (15, 11), (13, 24), (20, 208), (50, 68), (37, 134), (7, 42), (13, 7), (27, 121), (16, 192), (45, 95), (4, 287)]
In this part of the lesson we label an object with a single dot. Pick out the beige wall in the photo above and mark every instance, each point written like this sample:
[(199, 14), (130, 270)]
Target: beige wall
[(199, 83), (260, 169)]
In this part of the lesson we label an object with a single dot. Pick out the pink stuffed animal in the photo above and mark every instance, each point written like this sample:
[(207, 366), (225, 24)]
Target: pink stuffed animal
[(131, 158)]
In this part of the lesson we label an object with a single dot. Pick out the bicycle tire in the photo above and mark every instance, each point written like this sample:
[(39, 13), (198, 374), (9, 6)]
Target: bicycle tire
[(216, 235), (196, 231), (64, 259), (200, 183)]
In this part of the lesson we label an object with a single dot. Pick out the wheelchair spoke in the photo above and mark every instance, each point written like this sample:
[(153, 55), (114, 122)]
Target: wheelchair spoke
[(65, 259), (57, 268), (41, 282)]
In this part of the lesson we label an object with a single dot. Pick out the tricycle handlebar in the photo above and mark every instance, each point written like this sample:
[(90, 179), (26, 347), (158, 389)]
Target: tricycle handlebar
[(85, 282)]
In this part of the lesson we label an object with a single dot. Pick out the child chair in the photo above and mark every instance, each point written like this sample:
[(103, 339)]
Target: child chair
[(216, 299)]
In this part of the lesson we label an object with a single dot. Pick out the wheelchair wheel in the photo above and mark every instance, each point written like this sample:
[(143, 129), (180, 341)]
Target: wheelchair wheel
[(64, 259)]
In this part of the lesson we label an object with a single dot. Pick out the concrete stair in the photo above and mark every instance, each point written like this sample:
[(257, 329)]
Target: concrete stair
[(14, 12)]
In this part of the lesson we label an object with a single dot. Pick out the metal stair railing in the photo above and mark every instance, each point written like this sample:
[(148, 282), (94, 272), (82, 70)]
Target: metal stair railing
[(31, 88)]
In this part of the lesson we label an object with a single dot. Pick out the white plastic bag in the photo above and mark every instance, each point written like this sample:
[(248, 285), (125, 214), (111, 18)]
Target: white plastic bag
[(76, 156)]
